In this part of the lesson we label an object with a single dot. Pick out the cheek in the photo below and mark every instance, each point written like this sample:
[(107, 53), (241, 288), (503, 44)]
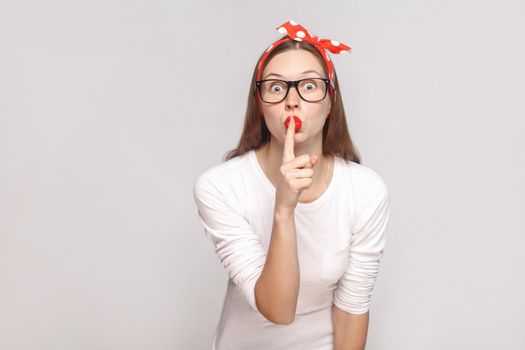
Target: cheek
[(272, 123), (324, 109), (272, 110)]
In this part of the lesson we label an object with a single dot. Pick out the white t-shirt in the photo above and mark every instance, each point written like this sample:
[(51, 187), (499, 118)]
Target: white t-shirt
[(340, 242)]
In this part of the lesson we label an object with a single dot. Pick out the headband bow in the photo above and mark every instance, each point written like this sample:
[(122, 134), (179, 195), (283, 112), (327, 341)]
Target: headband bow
[(297, 32)]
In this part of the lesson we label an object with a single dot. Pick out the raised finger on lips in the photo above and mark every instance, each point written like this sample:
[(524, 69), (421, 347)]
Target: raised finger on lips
[(288, 149)]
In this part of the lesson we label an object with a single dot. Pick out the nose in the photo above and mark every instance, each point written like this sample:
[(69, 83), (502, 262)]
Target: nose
[(292, 100)]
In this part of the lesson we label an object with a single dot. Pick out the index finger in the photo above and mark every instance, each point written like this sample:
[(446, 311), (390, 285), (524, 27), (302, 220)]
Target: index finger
[(288, 151)]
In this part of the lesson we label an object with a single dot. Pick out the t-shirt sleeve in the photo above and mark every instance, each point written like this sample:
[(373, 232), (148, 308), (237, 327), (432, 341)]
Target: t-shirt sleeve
[(237, 245), (354, 289)]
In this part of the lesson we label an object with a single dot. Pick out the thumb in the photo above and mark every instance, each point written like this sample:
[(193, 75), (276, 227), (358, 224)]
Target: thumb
[(314, 158)]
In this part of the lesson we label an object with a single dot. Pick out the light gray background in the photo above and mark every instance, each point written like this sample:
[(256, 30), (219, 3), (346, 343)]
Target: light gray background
[(109, 110)]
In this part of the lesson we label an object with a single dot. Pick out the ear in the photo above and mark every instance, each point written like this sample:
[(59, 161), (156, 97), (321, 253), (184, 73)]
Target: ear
[(330, 104)]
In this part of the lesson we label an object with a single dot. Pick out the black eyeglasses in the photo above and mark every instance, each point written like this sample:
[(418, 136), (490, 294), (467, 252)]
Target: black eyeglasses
[(309, 89)]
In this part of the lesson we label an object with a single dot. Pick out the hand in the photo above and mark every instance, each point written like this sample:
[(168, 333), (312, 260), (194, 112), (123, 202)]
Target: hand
[(296, 173)]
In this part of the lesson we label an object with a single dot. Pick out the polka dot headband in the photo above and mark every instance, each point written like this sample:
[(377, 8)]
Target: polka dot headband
[(297, 32)]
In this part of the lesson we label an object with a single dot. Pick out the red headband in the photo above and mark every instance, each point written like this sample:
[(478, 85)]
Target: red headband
[(297, 32)]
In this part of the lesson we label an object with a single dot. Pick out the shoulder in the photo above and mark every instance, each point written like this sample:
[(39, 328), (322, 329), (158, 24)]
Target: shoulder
[(364, 180), (368, 193), (222, 178)]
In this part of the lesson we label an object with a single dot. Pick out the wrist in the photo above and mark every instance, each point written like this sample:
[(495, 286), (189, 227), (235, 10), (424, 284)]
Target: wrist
[(283, 214)]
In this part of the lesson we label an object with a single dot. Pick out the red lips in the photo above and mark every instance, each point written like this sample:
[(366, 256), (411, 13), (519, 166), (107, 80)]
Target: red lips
[(298, 123)]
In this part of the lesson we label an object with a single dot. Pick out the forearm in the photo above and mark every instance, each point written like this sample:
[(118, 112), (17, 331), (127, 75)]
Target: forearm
[(350, 330), (277, 288)]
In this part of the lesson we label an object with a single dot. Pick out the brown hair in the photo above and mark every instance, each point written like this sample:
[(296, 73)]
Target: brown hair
[(336, 138)]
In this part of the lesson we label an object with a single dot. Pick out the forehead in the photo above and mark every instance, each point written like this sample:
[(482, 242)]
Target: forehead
[(293, 63)]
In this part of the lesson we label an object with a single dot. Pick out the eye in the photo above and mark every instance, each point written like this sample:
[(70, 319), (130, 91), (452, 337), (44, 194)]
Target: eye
[(275, 88), (309, 86)]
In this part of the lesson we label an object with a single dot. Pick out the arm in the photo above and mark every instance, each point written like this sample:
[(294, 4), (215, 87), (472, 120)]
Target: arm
[(352, 297), (269, 283), (277, 289), (350, 330)]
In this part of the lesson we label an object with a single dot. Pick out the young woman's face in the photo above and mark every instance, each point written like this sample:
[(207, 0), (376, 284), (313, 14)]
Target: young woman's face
[(295, 65)]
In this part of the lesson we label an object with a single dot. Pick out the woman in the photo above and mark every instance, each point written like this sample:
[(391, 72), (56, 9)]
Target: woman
[(297, 222)]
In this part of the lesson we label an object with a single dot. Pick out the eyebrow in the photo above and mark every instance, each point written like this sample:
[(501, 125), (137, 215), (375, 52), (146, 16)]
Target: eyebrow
[(306, 71)]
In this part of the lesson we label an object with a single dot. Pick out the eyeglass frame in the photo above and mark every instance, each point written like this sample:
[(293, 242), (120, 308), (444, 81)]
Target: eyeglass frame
[(292, 83)]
